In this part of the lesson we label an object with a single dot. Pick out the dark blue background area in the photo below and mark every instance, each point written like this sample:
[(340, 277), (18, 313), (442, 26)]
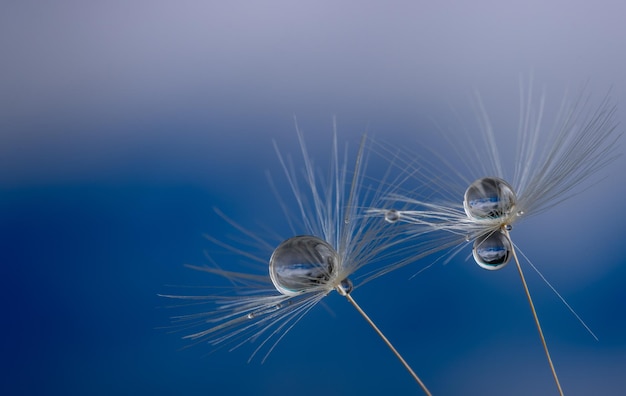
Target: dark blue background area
[(123, 125), (85, 260)]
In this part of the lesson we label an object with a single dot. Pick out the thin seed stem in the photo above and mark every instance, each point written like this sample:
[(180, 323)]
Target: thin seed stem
[(380, 333), (532, 308)]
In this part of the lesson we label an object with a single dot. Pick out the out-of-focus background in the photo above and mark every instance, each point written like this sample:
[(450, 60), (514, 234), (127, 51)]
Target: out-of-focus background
[(122, 124)]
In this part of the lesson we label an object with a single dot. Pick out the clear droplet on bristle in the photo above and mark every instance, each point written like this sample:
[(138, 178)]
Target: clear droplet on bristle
[(346, 286), (492, 251), (302, 263), (391, 216), (489, 198)]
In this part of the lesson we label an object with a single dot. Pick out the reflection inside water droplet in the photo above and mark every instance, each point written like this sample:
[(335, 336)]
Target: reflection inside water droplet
[(302, 263), (492, 251), (489, 198)]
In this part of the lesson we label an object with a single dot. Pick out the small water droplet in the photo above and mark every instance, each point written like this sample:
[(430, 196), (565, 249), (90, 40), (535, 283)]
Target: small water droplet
[(346, 286), (508, 227), (520, 213), (392, 215), (251, 315)]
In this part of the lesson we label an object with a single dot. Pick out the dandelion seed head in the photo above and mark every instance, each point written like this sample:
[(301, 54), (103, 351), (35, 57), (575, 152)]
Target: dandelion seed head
[(552, 161), (329, 241)]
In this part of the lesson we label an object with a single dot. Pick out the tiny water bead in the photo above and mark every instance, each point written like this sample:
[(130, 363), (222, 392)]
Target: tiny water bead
[(492, 251), (392, 216), (301, 263), (345, 287), (489, 198)]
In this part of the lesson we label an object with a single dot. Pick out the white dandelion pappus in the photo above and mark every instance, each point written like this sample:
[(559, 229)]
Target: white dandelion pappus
[(550, 166), (332, 240)]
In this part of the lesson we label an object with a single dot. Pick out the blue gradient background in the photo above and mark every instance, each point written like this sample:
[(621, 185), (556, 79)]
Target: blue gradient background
[(123, 123)]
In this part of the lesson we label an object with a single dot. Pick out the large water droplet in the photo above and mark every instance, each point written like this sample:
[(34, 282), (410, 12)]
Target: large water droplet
[(489, 198), (492, 251), (302, 263)]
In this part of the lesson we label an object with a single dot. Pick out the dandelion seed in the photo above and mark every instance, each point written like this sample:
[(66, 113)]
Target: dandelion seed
[(549, 168), (333, 241)]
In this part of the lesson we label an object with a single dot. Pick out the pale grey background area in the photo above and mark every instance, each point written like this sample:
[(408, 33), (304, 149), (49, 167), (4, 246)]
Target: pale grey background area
[(123, 123), (76, 66)]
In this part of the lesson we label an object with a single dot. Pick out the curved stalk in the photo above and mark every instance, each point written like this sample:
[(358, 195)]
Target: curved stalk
[(534, 311), (387, 342)]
